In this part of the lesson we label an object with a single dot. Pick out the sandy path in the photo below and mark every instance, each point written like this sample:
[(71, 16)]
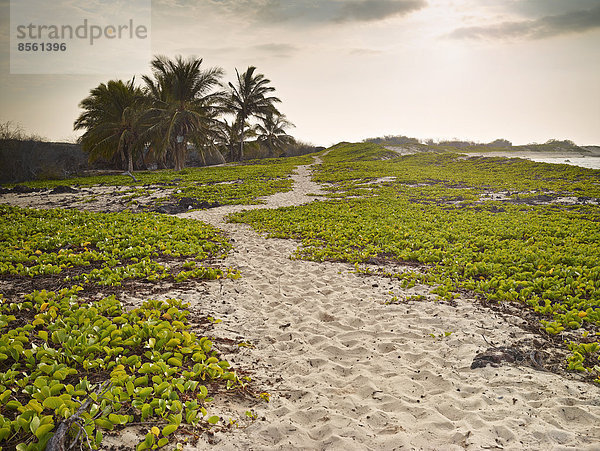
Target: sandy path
[(346, 371)]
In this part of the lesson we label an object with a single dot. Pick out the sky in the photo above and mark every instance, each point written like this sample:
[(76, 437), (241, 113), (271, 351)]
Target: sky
[(345, 70)]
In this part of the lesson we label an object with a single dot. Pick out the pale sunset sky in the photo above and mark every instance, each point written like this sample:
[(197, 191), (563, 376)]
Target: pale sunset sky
[(524, 70)]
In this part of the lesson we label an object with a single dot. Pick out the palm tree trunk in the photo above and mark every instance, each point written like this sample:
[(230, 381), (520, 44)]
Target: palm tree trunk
[(123, 156), (179, 156), (202, 155), (241, 155), (130, 161), (271, 147), (176, 157), (242, 130)]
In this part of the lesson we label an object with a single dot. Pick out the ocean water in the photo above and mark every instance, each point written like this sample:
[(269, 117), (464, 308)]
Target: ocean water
[(591, 162), (584, 162)]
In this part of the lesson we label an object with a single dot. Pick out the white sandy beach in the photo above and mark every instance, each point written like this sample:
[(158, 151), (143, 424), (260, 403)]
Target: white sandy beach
[(347, 371)]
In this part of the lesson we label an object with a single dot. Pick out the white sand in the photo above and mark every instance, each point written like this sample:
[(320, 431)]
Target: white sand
[(346, 371), (92, 198)]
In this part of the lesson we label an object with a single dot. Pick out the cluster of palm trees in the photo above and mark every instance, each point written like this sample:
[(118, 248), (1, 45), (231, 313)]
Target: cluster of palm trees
[(180, 104)]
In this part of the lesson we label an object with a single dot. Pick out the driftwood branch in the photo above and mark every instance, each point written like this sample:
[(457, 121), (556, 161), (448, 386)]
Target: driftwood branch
[(58, 440), (130, 175)]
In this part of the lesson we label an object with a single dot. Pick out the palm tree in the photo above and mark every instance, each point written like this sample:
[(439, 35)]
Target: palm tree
[(113, 120), (185, 103), (250, 97), (225, 137), (272, 132)]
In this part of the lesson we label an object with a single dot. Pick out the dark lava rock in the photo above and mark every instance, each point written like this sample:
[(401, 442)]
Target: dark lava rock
[(182, 205), (63, 190), (22, 189), (188, 203), (494, 357), (512, 354)]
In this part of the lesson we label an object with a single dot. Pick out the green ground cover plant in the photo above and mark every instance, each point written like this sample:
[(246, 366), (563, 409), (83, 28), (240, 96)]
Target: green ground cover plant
[(74, 364), (75, 369), (225, 185), (429, 209), (106, 249), (350, 165)]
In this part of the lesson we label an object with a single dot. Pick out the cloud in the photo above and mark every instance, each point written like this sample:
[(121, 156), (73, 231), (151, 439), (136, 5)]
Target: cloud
[(308, 12), (541, 8), (201, 51), (277, 50), (274, 50), (374, 10), (545, 27), (364, 52)]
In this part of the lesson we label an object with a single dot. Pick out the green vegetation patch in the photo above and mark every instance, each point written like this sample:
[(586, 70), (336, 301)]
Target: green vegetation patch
[(222, 185), (77, 369), (74, 366), (106, 249), (349, 166), (241, 184), (429, 210)]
